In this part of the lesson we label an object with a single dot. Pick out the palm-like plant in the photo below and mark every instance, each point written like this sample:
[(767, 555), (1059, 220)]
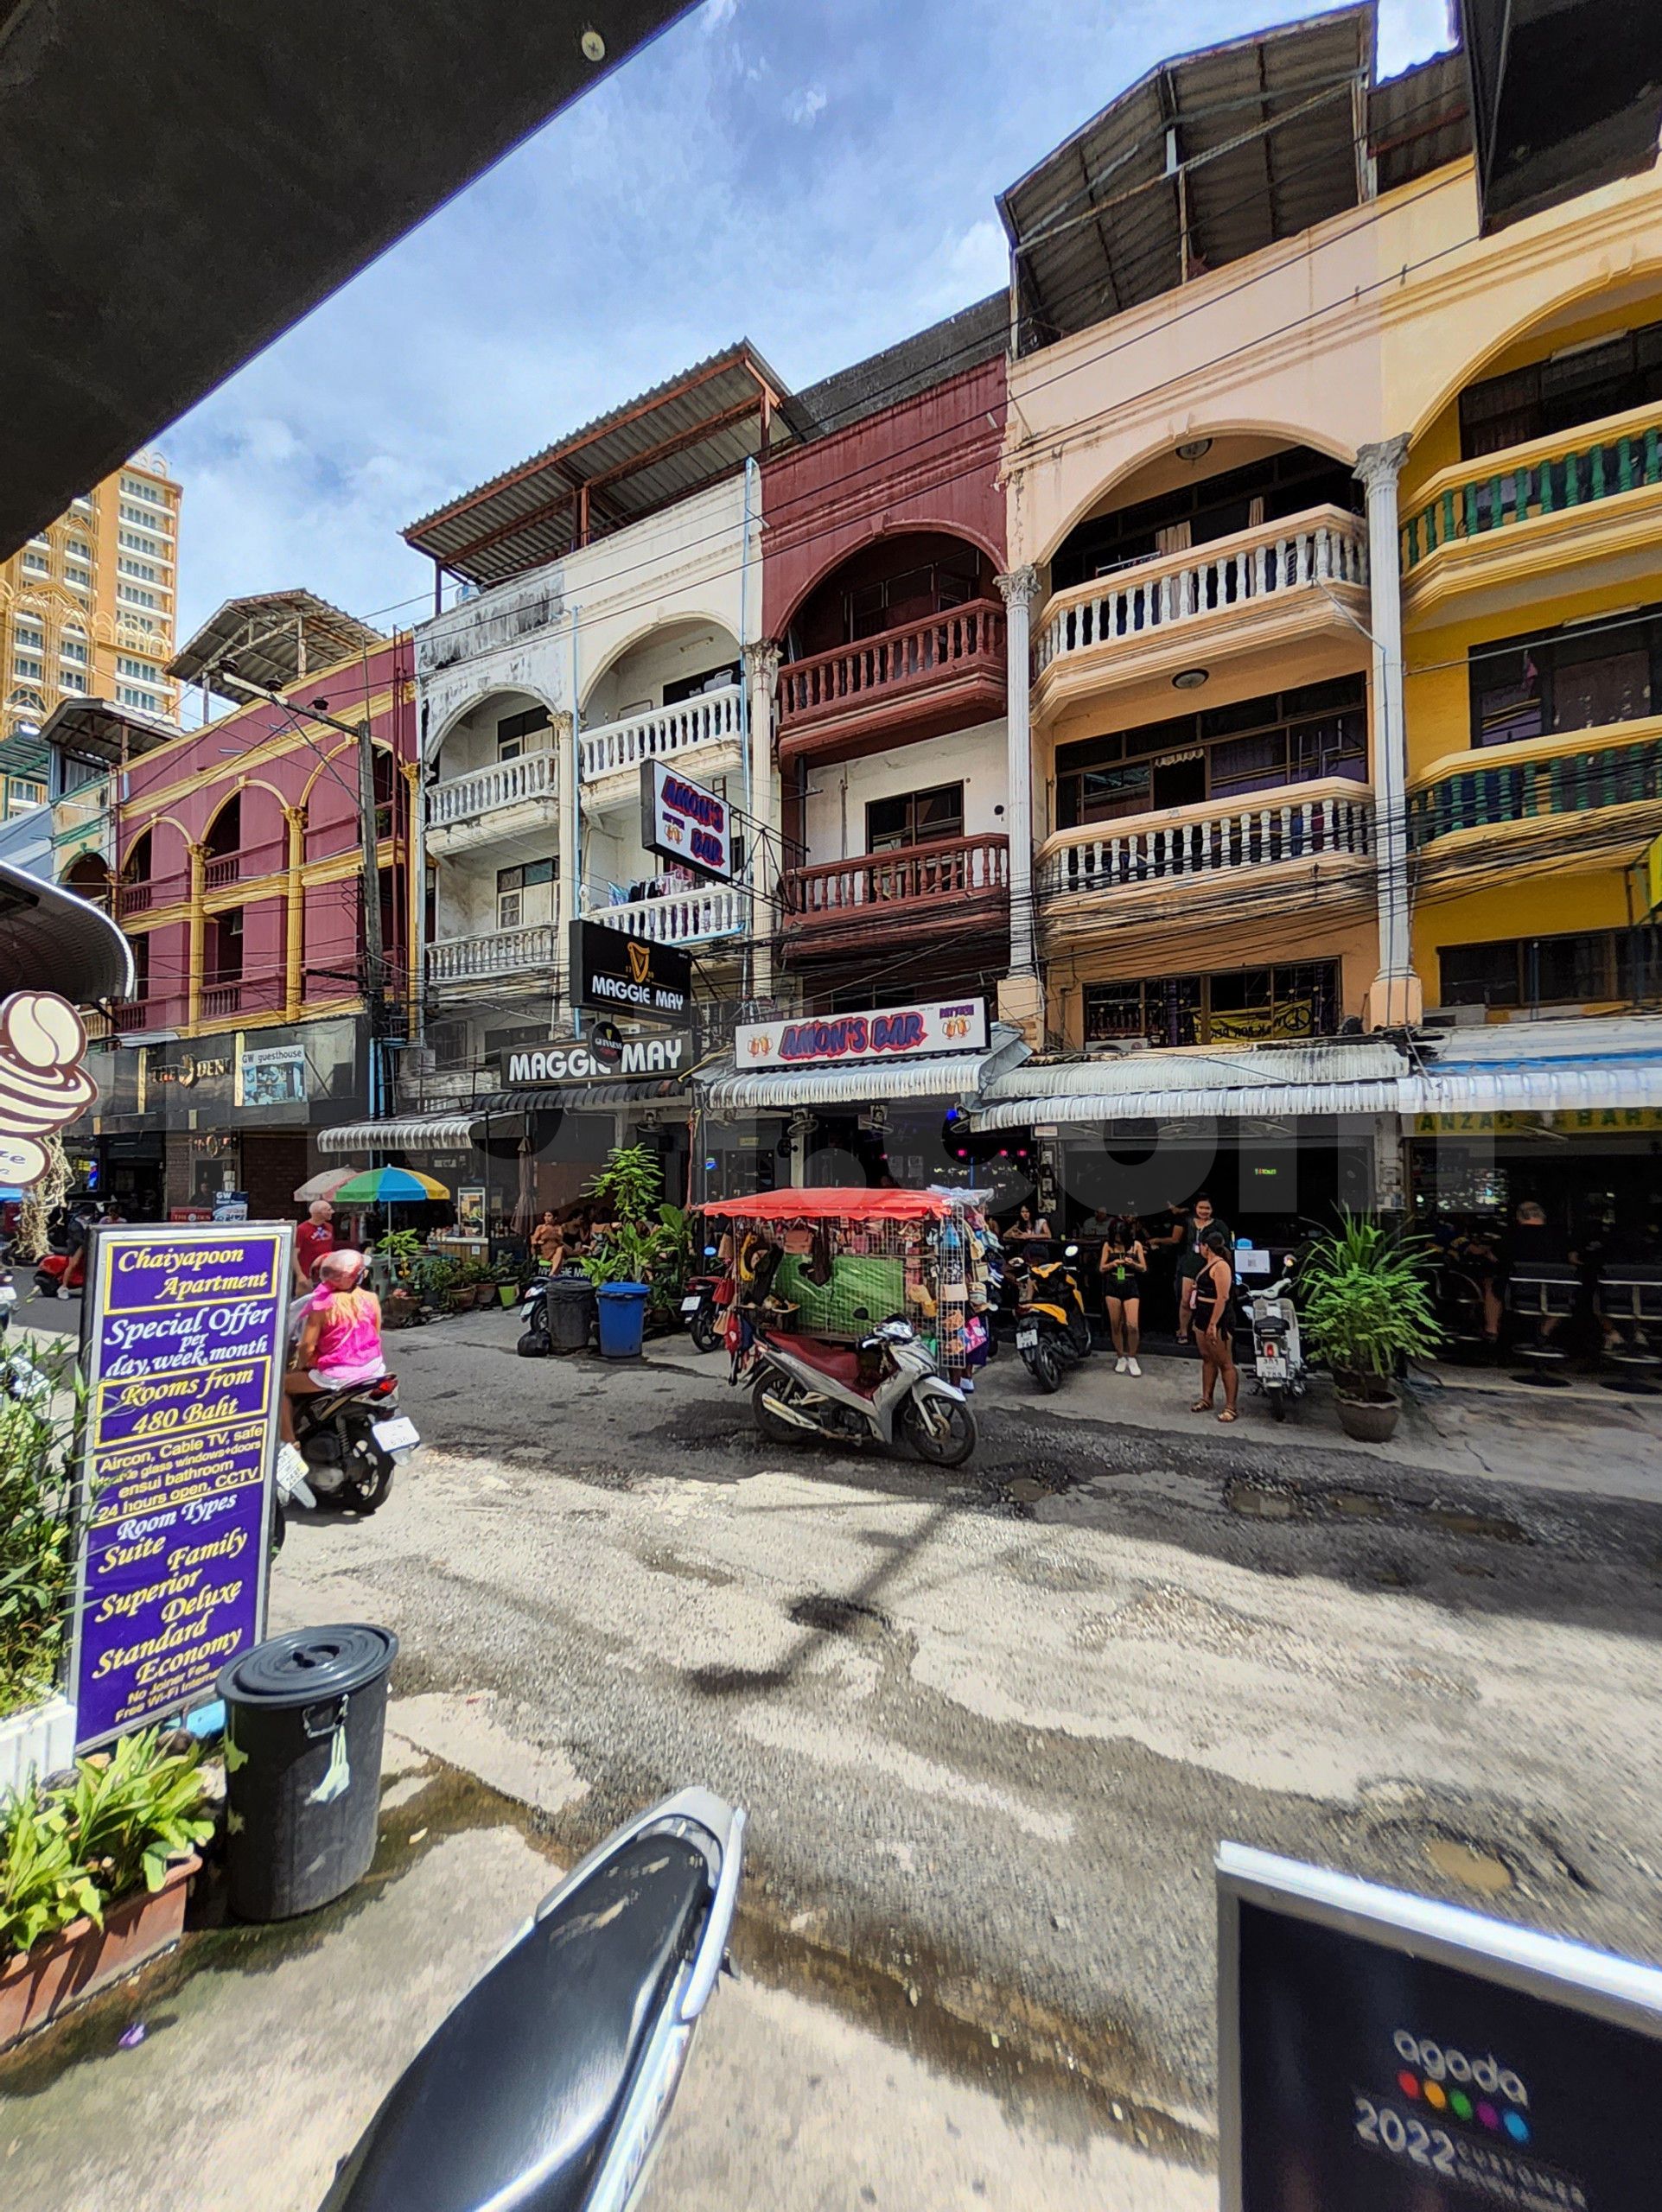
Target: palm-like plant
[(1366, 1304)]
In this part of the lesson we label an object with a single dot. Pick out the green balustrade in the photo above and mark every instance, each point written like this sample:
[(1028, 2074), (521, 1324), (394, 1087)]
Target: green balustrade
[(1602, 469)]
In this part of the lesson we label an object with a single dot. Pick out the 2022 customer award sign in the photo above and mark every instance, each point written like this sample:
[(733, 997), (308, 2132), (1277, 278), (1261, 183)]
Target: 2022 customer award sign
[(182, 1352)]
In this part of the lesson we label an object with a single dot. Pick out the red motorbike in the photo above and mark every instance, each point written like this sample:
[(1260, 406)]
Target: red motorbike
[(61, 1275)]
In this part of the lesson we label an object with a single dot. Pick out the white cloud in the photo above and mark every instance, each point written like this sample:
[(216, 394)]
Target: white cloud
[(714, 13), (804, 105)]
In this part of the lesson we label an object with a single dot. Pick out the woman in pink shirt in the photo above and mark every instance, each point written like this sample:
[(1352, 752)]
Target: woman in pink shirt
[(340, 1341)]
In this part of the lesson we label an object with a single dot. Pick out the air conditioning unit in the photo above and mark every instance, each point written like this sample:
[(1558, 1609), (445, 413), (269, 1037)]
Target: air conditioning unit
[(420, 1060)]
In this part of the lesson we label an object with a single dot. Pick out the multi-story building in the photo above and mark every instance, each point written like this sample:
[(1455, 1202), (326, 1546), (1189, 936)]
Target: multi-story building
[(87, 610)]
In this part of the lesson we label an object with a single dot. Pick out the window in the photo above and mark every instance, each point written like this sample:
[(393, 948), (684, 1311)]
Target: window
[(129, 695), (914, 817), (36, 563), (28, 671), (71, 679), (135, 543), (1291, 737), (78, 551), (1586, 968), (512, 883), (513, 730), (126, 665), (1578, 677), (1582, 384), (22, 792), (132, 596), (145, 570), (157, 521), (135, 487), (1241, 1006), (912, 597), (73, 650)]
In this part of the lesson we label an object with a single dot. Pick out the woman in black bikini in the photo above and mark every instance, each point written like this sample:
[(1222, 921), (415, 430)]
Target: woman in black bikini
[(1215, 1325), (1122, 1265)]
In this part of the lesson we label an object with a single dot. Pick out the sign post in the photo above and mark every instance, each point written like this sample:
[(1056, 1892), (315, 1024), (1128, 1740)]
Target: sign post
[(182, 1352), (1388, 2053)]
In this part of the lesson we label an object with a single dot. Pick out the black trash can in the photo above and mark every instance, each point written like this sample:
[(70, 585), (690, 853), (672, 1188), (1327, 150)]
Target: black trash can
[(572, 1313), (304, 1717)]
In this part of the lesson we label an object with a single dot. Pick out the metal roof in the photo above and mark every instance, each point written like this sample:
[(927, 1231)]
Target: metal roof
[(943, 1075), (50, 940), (1418, 120), (452, 1132), (93, 729), (271, 638), (652, 449), (1209, 157)]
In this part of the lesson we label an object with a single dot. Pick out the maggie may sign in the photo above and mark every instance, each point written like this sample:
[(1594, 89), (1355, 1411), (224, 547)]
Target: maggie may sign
[(577, 1062), (686, 822), (183, 1351), (893, 1032), (629, 975)]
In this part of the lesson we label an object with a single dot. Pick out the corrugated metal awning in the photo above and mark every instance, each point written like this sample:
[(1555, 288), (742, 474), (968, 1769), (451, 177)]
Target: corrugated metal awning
[(580, 1097), (723, 1090), (52, 940), (419, 1133)]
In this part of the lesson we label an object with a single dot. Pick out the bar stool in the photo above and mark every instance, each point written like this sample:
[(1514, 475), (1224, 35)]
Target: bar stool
[(1630, 1300), (1542, 1291)]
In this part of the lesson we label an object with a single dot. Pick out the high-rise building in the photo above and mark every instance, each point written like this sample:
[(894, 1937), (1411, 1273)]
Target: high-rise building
[(87, 609)]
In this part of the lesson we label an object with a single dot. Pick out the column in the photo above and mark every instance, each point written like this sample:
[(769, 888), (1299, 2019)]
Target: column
[(293, 937), (198, 935), (1020, 998), (762, 662), (567, 753), (1395, 1001)]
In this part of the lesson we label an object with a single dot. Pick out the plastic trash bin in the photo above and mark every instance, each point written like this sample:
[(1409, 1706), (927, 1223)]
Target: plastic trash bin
[(622, 1320), (570, 1313), (305, 1713)]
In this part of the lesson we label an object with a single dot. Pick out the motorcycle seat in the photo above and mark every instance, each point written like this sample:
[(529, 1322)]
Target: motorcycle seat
[(838, 1361), (513, 2101)]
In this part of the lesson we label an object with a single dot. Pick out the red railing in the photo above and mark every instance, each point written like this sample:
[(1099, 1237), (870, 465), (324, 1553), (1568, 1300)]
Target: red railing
[(946, 871), (965, 641)]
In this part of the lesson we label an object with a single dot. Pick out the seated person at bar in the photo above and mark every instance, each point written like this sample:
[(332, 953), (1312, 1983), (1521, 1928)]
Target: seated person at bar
[(548, 1242), (1027, 1228)]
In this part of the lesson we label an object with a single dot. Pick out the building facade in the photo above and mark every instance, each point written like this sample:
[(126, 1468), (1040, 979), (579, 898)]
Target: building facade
[(87, 610)]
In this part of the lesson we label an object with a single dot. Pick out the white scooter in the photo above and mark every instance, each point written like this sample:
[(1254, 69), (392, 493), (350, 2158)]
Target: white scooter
[(1277, 1355), (887, 1385)]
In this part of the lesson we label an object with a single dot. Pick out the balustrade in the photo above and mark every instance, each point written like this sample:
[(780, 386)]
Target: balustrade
[(499, 952), (1495, 790), (963, 641), (1577, 468), (481, 790), (1293, 825), (945, 870), (711, 718)]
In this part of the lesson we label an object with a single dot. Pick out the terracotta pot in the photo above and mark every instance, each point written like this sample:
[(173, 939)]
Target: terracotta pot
[(64, 1969), (1367, 1421)]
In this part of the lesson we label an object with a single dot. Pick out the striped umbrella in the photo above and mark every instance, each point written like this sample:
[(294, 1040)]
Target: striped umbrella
[(381, 1186)]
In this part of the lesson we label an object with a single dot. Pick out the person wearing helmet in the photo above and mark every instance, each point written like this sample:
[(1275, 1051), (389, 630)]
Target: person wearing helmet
[(340, 1341)]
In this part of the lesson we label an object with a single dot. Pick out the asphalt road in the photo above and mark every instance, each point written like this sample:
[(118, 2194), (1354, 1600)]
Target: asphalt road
[(991, 1726)]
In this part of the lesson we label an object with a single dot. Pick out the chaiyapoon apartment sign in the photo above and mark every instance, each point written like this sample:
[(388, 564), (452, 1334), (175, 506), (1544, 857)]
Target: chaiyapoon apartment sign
[(893, 1032)]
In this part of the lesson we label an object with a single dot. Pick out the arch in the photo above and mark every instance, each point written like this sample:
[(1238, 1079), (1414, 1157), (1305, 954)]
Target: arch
[(1292, 434), (346, 745), (233, 798), (88, 876), (1589, 290), (911, 527), (145, 830), (658, 626), (459, 714)]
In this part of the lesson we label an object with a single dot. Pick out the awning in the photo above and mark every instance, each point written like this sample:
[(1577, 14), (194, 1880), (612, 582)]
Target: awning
[(1544, 1067), (1358, 1075), (451, 1132), (723, 1090), (50, 940), (584, 1097)]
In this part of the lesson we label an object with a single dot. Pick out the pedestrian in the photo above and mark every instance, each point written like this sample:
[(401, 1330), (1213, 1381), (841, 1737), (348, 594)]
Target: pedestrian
[(339, 1344), (1191, 1225), (314, 1237), (1124, 1263), (1213, 1305)]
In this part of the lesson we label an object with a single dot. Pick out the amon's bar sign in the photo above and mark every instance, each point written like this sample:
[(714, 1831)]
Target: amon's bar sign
[(687, 823), (620, 974)]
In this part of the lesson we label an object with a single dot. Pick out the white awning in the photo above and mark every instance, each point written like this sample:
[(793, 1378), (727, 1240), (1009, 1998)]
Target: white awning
[(452, 1132), (724, 1090), (1546, 1066)]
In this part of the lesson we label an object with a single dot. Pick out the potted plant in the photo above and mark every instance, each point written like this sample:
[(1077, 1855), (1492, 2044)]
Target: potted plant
[(1365, 1303), (633, 1251), (94, 1869)]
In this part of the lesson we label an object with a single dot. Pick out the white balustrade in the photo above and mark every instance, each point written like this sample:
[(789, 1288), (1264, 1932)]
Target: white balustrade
[(711, 718), (1324, 547), (499, 952), (1309, 825), (505, 783), (680, 917)]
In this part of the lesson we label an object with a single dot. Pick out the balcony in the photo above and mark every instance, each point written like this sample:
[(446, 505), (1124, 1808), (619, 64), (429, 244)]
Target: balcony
[(680, 917), (1577, 797), (951, 886), (704, 732), (943, 674), (223, 868), (1283, 585), (1313, 839), (1482, 527), (131, 1015), (487, 805), (530, 952)]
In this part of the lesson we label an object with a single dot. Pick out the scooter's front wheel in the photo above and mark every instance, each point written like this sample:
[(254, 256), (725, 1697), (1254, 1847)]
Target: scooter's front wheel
[(772, 1426), (1045, 1365), (940, 1430)]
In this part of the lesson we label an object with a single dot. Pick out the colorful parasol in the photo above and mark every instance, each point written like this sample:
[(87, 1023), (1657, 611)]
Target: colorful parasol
[(323, 1185), (381, 1186)]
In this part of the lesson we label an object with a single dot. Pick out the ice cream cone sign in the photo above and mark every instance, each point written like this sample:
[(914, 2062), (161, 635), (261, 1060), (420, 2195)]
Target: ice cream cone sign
[(43, 1085)]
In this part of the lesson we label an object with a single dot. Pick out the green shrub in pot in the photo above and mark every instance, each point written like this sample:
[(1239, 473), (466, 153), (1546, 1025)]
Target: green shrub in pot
[(1365, 1303)]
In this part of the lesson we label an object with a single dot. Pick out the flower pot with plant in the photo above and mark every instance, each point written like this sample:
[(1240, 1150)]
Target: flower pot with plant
[(1365, 1307)]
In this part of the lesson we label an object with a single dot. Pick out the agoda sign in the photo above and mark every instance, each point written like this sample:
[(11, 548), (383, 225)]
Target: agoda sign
[(619, 974)]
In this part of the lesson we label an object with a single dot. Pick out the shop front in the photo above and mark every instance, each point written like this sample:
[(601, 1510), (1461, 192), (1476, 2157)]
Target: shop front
[(579, 1097)]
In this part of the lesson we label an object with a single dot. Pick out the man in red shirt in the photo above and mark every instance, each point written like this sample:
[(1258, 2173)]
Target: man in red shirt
[(312, 1239)]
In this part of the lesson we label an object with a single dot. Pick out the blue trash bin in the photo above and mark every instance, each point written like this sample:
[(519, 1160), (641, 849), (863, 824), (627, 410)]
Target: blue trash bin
[(622, 1320)]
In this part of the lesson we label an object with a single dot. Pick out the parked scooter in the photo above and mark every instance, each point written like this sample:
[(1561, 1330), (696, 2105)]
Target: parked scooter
[(352, 1440), (61, 1275), (550, 2082), (702, 1305), (1053, 1329), (887, 1385), (1277, 1354)]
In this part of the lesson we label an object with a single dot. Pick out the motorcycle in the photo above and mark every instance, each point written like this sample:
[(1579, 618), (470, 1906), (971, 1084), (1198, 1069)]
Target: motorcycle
[(1053, 1329), (352, 1440), (61, 1275), (550, 2082), (1277, 1354), (702, 1307), (535, 1341), (887, 1385)]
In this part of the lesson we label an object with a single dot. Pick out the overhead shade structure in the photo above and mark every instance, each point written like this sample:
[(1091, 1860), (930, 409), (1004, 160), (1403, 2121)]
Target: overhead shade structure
[(1557, 1067), (50, 940), (1245, 1083), (416, 1132), (178, 185), (724, 1089), (272, 638), (391, 1187), (580, 1097), (1566, 95)]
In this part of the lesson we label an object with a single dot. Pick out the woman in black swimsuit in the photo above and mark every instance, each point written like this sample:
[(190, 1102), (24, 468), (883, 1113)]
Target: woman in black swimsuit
[(1215, 1325), (1124, 1263)]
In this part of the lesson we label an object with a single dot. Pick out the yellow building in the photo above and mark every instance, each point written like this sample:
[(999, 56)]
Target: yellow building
[(87, 609), (1343, 523)]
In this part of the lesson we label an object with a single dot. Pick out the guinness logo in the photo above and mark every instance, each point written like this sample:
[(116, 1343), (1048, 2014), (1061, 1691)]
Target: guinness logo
[(640, 960)]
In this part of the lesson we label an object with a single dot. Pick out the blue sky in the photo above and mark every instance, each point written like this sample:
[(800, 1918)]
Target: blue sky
[(816, 175)]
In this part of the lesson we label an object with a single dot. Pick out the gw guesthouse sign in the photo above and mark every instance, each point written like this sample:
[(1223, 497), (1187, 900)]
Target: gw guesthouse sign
[(578, 1062), (960, 1026), (182, 1350), (620, 974), (687, 823)]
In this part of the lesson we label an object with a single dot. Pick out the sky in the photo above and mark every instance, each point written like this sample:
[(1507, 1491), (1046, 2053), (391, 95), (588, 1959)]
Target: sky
[(816, 175)]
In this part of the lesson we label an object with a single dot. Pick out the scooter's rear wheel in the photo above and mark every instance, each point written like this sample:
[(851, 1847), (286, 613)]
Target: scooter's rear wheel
[(940, 1431), (1277, 1398), (371, 1485), (768, 1423), (705, 1329)]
